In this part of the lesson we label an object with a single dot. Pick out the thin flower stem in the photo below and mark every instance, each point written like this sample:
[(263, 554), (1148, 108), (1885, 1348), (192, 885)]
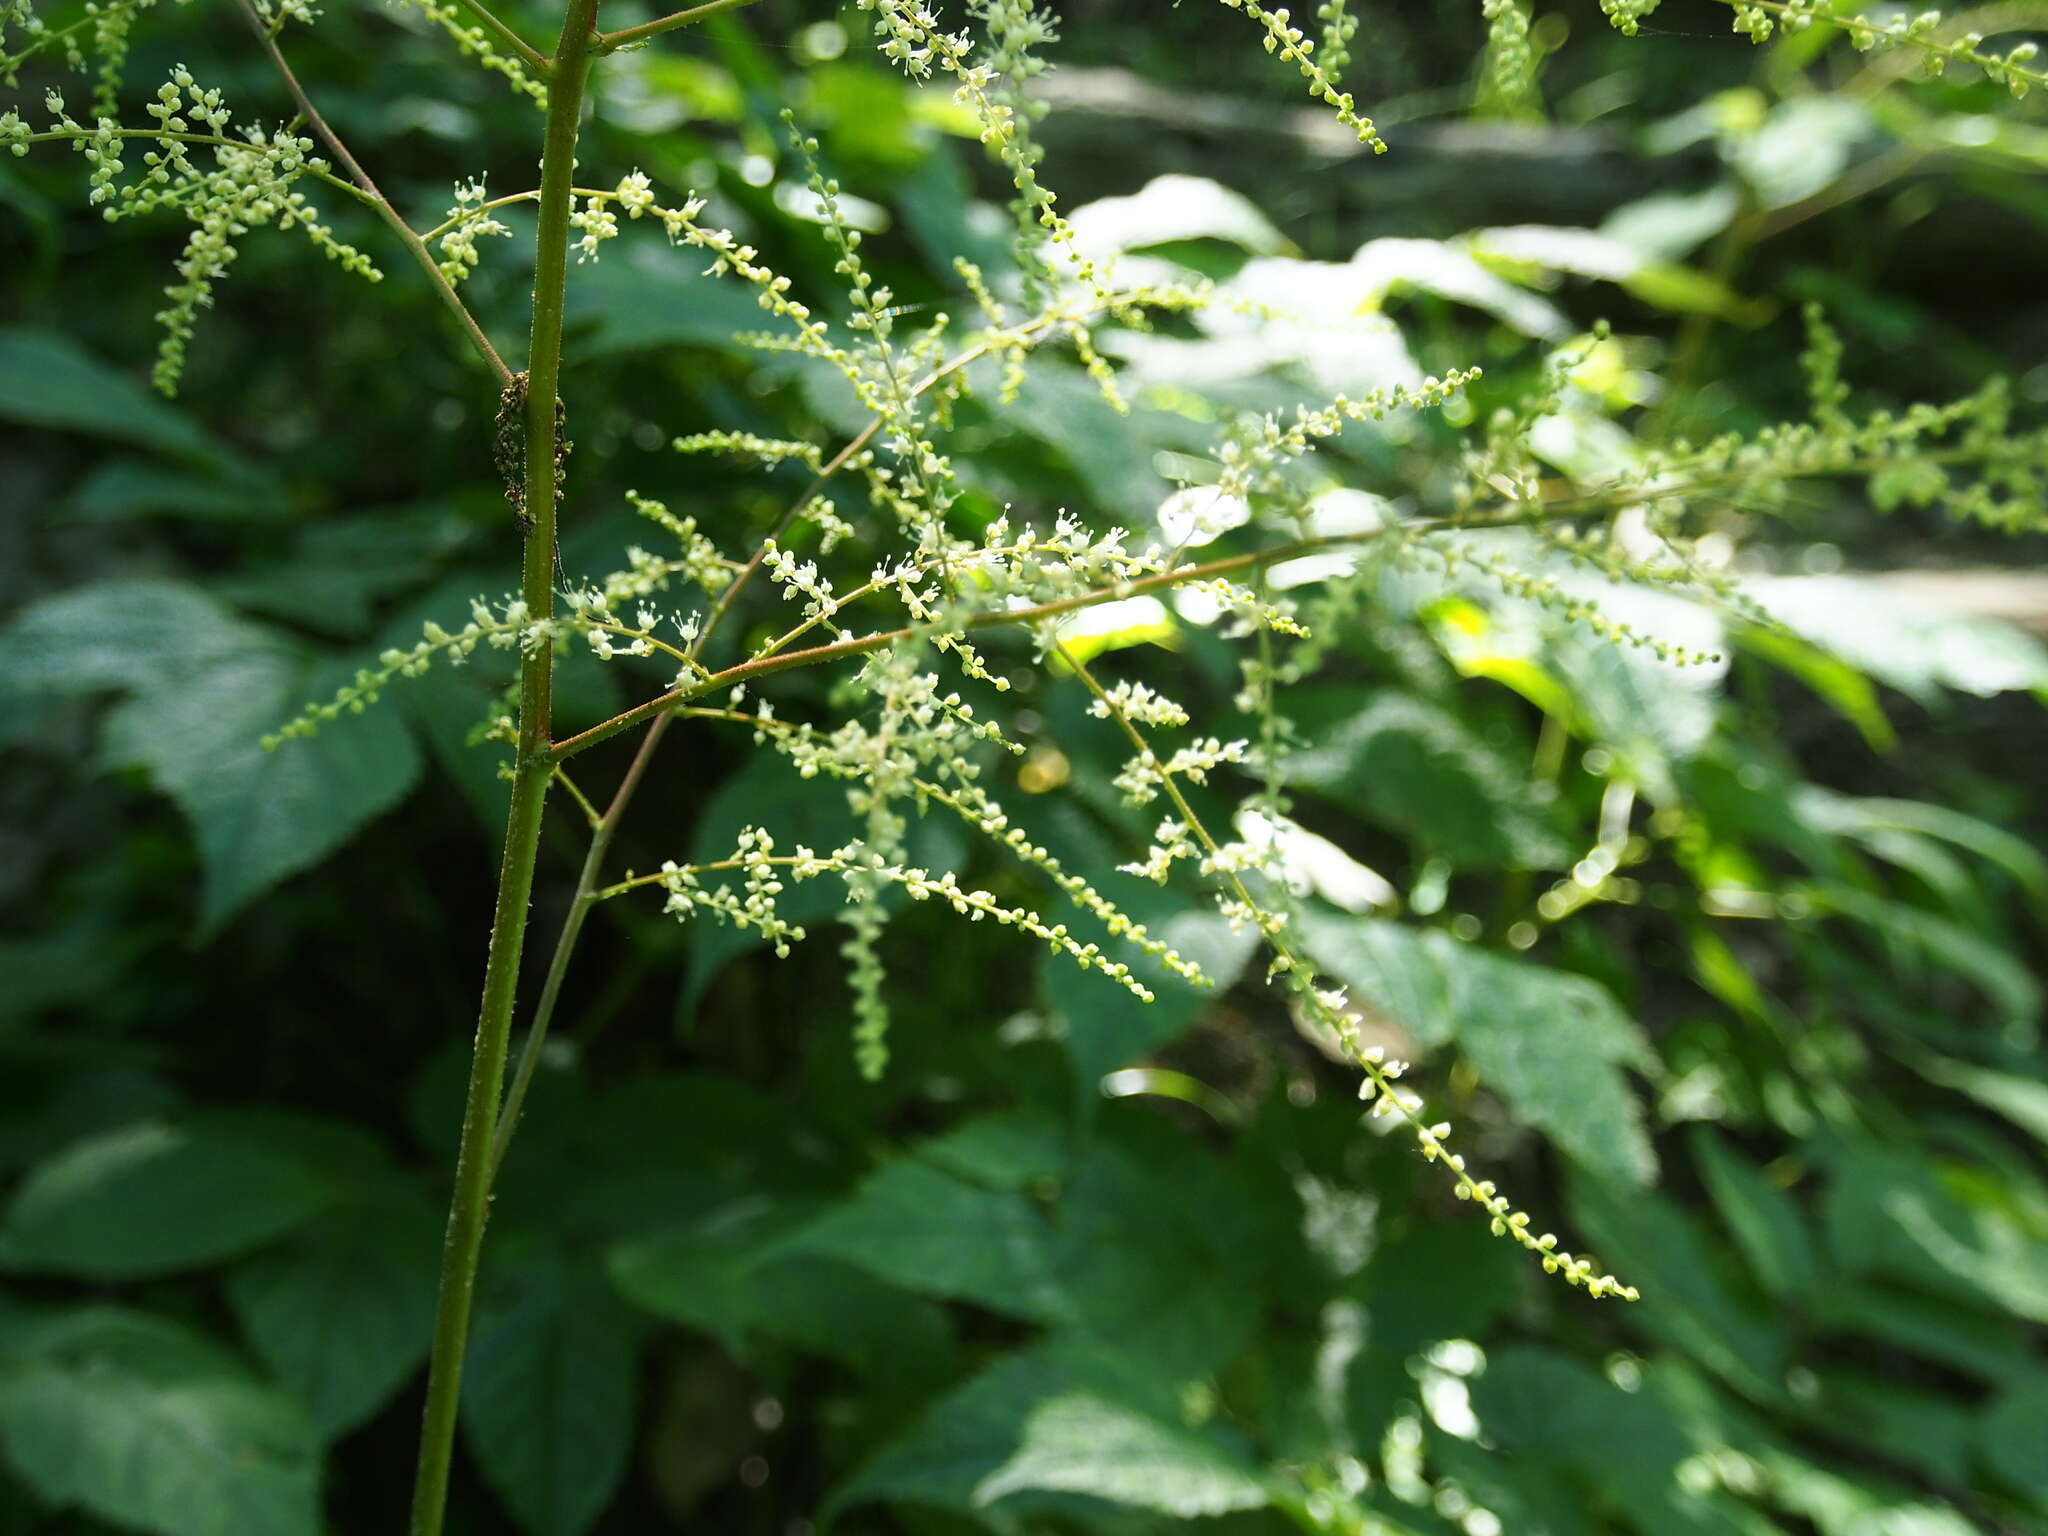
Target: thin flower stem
[(575, 793), (213, 140), (626, 37), (537, 61), (763, 666), (534, 771), (580, 903), (378, 200)]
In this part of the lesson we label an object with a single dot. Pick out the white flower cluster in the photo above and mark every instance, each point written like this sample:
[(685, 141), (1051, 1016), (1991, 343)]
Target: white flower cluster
[(1938, 40), (1139, 704), (911, 38), (250, 184), (753, 904), (473, 40), (1144, 775), (468, 221), (1171, 842), (1297, 48)]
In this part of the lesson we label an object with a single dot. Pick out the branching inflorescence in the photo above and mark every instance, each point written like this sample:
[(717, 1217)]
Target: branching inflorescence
[(903, 590)]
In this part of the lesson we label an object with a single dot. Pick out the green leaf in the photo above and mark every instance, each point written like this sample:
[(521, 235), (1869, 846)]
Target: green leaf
[(343, 1311), (145, 1424), (47, 381), (1175, 208), (1972, 1338), (1657, 1247), (261, 816), (1916, 934), (1889, 1213), (1917, 649), (1106, 1026), (158, 1197), (204, 689), (2012, 1439), (707, 1272), (1544, 1408), (1011, 1149), (1765, 1222), (1549, 1042), (731, 1275), (1419, 769), (1851, 694), (922, 1228), (1050, 1422), (547, 1395), (1077, 1443), (2022, 1100)]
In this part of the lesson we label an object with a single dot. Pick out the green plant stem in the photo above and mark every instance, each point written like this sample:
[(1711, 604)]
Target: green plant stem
[(532, 775), (580, 903), (405, 232), (626, 37)]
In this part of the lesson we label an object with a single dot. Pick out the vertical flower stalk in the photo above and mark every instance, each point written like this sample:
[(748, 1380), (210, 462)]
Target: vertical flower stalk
[(533, 771)]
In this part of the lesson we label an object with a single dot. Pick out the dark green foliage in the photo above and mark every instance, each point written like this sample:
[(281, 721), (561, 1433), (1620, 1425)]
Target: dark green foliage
[(1729, 972)]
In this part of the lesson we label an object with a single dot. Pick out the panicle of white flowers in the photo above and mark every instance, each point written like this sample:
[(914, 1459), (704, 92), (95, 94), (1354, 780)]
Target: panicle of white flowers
[(1141, 704), (753, 904), (250, 183), (1627, 15), (1333, 47), (1938, 40), (476, 43), (909, 35), (613, 617), (763, 450), (698, 560), (594, 223), (1330, 1007), (504, 627), (921, 488), (1170, 843), (469, 220), (1296, 47), (801, 580), (1144, 775), (1511, 60), (1012, 30), (1254, 455)]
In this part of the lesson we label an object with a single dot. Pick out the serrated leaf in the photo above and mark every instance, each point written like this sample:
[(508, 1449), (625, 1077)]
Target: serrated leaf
[(1661, 1250), (47, 381), (260, 816), (1419, 769), (1917, 649), (1106, 1025), (159, 1197), (343, 1312), (920, 1227), (1549, 1042), (547, 1396), (2012, 1438), (1765, 1222), (731, 1275), (1892, 1214), (1053, 1422), (1077, 1443), (204, 688), (146, 1424)]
